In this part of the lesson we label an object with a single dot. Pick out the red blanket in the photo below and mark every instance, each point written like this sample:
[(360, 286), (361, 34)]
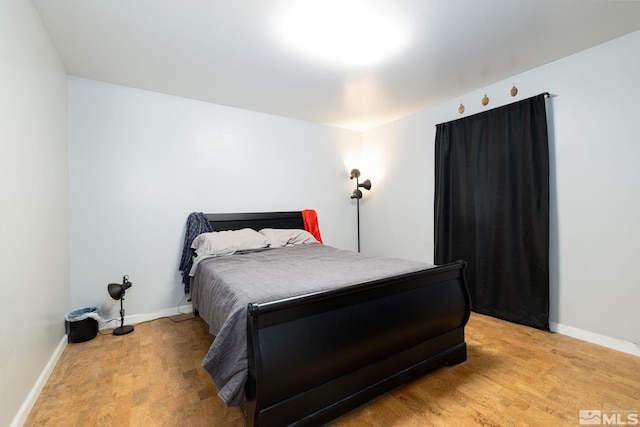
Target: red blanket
[(310, 219)]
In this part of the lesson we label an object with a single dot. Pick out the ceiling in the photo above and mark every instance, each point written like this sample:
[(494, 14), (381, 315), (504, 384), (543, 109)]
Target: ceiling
[(230, 52)]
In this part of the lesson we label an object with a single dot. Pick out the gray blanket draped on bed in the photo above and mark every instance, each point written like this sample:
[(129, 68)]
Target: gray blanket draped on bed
[(223, 287)]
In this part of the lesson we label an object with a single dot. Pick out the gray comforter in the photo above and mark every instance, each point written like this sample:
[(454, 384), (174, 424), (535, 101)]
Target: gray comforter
[(223, 287)]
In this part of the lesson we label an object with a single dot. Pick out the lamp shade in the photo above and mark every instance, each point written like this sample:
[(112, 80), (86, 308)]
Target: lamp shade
[(116, 290)]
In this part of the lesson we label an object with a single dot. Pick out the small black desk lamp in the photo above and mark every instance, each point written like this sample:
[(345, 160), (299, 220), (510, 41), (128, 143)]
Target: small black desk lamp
[(116, 290)]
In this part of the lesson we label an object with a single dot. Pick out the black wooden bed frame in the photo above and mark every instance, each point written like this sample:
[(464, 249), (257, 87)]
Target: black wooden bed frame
[(315, 357)]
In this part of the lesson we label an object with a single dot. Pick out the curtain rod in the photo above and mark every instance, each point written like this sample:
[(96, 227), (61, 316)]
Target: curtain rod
[(546, 94)]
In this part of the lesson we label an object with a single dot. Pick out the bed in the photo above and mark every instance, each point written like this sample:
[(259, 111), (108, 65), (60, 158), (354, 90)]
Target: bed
[(321, 335)]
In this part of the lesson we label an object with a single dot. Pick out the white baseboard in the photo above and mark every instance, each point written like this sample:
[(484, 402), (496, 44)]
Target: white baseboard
[(27, 405), (145, 317), (592, 337)]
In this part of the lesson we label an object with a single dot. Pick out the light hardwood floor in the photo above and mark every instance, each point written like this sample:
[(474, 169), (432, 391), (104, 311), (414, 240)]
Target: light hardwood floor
[(514, 376)]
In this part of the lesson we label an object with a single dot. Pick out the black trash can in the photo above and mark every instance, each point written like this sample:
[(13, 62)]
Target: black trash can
[(82, 324)]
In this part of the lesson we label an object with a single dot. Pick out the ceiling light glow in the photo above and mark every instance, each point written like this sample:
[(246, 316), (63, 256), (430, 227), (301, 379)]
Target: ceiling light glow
[(341, 32)]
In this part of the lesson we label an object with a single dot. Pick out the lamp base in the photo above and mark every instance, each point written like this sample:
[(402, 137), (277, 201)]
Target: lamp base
[(123, 330)]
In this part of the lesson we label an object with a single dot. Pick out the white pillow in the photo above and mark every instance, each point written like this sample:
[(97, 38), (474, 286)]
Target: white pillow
[(283, 237), (228, 240)]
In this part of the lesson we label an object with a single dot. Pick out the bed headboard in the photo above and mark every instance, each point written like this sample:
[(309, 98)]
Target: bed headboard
[(255, 220)]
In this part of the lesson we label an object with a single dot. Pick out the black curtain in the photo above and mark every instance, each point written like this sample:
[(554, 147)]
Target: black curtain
[(492, 208)]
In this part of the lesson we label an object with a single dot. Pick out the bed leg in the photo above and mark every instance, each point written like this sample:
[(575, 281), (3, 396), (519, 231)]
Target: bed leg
[(458, 355)]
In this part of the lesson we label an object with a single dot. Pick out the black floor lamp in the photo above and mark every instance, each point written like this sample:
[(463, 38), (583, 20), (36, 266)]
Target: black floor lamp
[(357, 194)]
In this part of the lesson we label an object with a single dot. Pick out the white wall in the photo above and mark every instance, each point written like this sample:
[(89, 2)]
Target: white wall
[(34, 219), (142, 161), (595, 202)]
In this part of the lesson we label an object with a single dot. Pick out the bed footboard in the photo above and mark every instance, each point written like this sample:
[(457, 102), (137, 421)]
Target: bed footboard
[(315, 357)]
